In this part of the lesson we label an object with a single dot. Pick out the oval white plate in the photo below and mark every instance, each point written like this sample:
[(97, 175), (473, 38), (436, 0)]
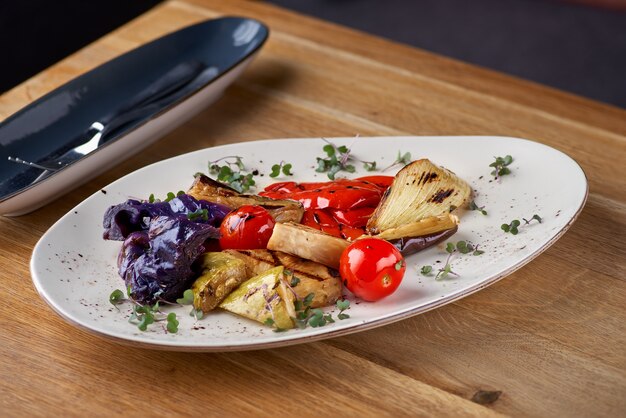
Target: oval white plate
[(74, 269)]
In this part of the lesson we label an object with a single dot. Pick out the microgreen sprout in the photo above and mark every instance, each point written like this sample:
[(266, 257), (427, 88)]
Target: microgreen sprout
[(187, 298), (535, 217), (426, 270), (172, 323), (513, 226), (116, 297), (283, 167), (338, 158), (202, 214), (500, 166), (343, 305), (461, 247), (474, 206), (232, 173), (169, 196), (401, 159)]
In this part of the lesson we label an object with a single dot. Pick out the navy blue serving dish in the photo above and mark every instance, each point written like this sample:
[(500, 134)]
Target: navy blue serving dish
[(99, 118)]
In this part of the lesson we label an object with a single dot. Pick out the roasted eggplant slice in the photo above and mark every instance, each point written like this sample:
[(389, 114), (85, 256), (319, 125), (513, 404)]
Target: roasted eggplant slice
[(221, 273), (420, 190), (308, 243), (412, 245), (264, 297), (205, 188), (305, 276)]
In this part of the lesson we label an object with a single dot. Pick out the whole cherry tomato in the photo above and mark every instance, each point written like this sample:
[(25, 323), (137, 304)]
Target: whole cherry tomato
[(371, 268), (247, 228)]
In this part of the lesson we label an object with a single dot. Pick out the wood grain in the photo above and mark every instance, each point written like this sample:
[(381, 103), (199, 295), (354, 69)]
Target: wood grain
[(551, 337)]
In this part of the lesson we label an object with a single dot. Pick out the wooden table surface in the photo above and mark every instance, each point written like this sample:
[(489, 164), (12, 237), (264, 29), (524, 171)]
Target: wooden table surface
[(551, 337)]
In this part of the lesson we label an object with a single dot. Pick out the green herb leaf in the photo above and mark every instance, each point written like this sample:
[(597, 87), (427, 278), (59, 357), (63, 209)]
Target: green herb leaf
[(500, 166), (294, 281), (275, 171), (342, 305), (187, 298), (369, 165), (450, 247), (172, 323), (474, 206), (232, 173), (343, 316), (151, 198), (202, 214), (426, 270), (116, 297), (287, 169), (308, 299)]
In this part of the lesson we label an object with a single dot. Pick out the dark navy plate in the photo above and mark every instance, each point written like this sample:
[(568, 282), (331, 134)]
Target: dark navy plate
[(96, 120)]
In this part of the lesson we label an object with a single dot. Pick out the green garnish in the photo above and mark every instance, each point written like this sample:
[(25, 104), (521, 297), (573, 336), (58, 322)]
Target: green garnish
[(500, 166), (401, 159), (202, 214), (342, 305), (511, 227), (116, 297), (426, 270), (474, 206), (232, 173), (337, 160), (172, 323), (187, 298), (283, 167)]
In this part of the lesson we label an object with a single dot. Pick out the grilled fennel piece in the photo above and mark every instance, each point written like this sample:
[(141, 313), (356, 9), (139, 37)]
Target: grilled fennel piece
[(420, 190), (264, 297), (308, 243), (205, 188), (312, 277), (426, 226), (221, 273)]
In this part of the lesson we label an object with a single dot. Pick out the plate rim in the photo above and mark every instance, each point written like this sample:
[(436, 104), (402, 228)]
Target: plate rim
[(358, 327)]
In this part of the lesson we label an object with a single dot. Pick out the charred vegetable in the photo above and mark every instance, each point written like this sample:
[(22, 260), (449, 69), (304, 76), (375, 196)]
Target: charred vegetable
[(134, 215), (157, 264), (307, 243), (264, 298), (210, 190), (221, 273), (305, 277), (420, 190)]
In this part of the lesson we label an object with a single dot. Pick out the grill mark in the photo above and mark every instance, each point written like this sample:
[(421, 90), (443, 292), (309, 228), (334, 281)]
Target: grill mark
[(440, 196)]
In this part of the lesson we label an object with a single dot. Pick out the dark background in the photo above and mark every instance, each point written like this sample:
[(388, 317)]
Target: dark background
[(578, 48)]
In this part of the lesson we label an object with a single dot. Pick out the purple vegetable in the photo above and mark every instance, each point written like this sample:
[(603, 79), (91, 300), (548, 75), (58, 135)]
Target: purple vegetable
[(123, 219), (411, 245), (157, 264)]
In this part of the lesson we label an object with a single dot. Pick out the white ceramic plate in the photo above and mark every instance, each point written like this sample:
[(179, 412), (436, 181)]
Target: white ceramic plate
[(74, 269)]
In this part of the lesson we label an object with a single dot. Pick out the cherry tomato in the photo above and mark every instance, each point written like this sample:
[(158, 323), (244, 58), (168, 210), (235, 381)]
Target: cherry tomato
[(371, 268), (247, 228)]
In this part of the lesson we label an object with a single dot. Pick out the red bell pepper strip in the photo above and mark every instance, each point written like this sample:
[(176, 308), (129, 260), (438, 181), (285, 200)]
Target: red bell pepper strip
[(356, 218)]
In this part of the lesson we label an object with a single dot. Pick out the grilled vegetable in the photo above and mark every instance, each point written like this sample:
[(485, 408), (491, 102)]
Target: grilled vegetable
[(420, 190), (212, 191), (307, 243), (221, 273), (305, 276), (420, 228), (264, 297), (411, 245)]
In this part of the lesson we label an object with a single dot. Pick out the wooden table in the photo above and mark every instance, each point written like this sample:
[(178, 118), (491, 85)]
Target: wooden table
[(551, 337)]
